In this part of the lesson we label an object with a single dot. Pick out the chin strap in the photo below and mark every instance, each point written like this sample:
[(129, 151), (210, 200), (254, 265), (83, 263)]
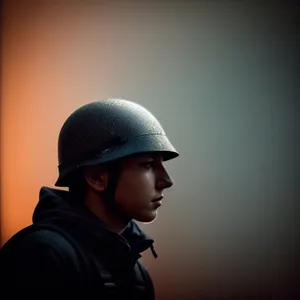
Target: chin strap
[(114, 174), (153, 251)]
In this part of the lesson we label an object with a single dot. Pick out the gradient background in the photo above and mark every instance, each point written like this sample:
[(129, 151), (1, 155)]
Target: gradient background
[(221, 77)]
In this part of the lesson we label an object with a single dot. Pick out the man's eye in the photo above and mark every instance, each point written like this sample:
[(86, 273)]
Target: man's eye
[(148, 164)]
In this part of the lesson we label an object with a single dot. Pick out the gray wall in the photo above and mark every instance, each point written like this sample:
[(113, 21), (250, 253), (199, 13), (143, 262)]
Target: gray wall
[(221, 78)]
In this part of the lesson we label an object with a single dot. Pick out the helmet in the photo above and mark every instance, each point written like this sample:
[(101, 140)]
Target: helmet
[(107, 130)]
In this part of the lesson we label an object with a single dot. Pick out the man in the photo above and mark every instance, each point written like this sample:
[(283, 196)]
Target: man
[(111, 156)]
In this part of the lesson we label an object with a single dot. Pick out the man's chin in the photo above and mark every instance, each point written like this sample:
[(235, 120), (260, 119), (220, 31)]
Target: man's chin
[(147, 218)]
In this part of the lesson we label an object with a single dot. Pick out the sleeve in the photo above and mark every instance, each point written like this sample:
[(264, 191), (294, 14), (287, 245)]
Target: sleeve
[(32, 262)]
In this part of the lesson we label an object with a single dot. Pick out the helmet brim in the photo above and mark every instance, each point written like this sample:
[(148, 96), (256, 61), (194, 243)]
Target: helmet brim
[(150, 143)]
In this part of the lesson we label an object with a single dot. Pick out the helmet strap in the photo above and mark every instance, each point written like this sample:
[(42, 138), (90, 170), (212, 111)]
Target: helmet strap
[(109, 194)]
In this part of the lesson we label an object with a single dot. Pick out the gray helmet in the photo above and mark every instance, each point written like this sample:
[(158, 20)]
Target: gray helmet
[(107, 130)]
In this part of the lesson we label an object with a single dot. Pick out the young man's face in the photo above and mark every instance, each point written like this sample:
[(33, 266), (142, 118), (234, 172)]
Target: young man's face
[(142, 181)]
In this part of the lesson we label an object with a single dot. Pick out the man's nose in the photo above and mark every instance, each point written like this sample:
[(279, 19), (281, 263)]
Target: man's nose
[(165, 181)]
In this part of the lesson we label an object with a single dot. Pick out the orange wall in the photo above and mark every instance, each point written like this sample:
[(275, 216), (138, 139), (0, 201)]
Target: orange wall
[(54, 60), (34, 104)]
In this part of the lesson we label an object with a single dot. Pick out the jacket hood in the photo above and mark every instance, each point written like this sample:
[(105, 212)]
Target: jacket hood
[(55, 207)]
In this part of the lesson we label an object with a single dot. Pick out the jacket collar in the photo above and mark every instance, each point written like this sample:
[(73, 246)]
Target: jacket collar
[(55, 207)]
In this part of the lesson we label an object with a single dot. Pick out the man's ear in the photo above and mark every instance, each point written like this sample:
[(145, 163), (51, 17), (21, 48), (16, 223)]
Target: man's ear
[(96, 178)]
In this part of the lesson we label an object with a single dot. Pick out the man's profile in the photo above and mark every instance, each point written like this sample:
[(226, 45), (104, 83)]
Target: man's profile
[(111, 157)]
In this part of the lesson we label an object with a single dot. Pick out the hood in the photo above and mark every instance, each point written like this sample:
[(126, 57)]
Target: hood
[(55, 207)]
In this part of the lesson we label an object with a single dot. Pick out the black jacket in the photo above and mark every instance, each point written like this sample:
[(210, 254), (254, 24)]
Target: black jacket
[(68, 247)]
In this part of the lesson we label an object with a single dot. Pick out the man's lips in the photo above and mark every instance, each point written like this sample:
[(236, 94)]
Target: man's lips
[(157, 199)]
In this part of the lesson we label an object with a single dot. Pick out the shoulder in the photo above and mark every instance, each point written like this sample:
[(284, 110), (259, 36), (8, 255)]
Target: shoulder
[(38, 256), (33, 246), (35, 239)]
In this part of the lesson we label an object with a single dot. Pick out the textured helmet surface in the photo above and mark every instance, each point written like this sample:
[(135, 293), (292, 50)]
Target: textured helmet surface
[(106, 130)]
